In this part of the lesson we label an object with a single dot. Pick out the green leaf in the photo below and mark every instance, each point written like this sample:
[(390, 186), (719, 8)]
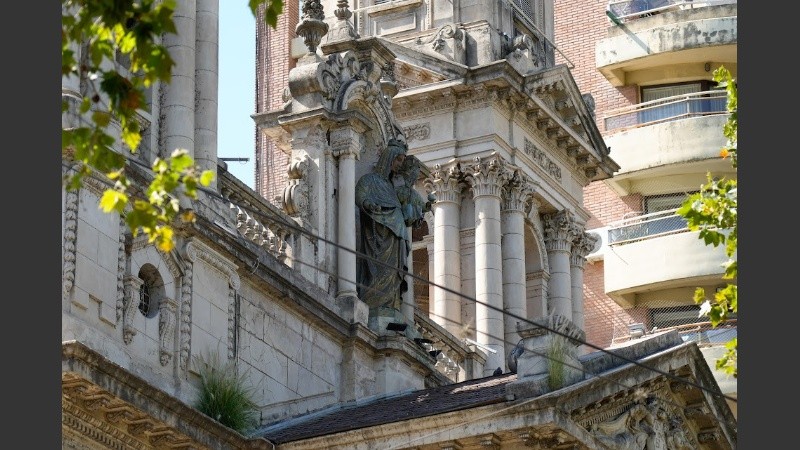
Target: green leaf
[(113, 201), (206, 177)]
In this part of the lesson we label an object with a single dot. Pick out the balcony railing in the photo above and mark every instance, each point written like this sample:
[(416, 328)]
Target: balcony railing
[(646, 226), (702, 333), (626, 10), (666, 109)]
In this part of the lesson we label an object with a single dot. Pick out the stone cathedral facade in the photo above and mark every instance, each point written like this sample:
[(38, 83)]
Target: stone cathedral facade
[(496, 358)]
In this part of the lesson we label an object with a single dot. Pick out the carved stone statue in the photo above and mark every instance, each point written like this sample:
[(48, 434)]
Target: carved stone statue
[(388, 204)]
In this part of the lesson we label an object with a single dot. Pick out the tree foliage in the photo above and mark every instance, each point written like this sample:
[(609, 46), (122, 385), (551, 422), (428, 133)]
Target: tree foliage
[(713, 212), (107, 32)]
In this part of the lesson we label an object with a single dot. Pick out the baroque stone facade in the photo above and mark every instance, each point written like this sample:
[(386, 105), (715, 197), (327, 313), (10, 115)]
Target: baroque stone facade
[(272, 289)]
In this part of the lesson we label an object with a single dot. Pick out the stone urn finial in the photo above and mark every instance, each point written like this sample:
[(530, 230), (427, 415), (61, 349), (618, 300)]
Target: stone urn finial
[(343, 28), (312, 26)]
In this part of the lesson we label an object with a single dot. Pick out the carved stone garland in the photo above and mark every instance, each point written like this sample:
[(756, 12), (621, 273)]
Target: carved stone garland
[(70, 238)]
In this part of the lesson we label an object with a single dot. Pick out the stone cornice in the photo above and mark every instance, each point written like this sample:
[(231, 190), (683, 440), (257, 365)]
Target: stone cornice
[(129, 409)]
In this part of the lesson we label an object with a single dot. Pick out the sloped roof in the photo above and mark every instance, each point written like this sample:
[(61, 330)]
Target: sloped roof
[(378, 411)]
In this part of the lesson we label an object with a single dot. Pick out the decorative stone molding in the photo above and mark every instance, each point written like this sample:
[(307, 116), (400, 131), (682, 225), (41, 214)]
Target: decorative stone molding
[(232, 323), (487, 176), (541, 158), (559, 231), (422, 106), (295, 194), (420, 131), (166, 329), (132, 286), (185, 332), (445, 183), (92, 414), (346, 142), (70, 238), (121, 264)]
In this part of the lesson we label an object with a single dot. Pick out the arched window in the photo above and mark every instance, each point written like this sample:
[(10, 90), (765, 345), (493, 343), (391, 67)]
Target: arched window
[(151, 290)]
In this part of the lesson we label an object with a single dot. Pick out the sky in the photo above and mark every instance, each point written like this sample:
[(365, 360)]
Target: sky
[(237, 62)]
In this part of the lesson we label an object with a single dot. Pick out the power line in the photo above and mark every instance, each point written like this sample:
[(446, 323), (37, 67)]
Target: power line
[(423, 280), (293, 226)]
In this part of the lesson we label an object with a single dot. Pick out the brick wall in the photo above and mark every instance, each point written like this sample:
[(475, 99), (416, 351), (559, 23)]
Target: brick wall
[(579, 24), (273, 63)]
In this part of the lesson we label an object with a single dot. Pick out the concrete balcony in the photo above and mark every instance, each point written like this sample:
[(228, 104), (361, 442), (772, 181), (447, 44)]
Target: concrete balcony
[(673, 152), (667, 41), (654, 258)]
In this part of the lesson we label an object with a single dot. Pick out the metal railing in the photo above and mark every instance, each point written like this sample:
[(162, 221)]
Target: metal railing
[(646, 226), (666, 109), (626, 10)]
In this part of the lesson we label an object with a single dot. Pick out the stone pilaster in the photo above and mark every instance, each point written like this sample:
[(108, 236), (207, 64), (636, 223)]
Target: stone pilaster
[(487, 177), (558, 237), (446, 185)]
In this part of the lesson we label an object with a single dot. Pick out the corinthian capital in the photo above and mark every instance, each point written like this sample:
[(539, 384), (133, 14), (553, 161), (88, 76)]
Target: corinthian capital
[(559, 231), (583, 244), (519, 193), (445, 183), (487, 176)]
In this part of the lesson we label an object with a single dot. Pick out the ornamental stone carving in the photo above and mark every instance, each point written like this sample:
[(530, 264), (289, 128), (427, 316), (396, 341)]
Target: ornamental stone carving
[(519, 193), (648, 424), (583, 244), (295, 194), (487, 176), (70, 237), (312, 24), (132, 286), (166, 329), (185, 332), (559, 231), (418, 132), (446, 183), (121, 264)]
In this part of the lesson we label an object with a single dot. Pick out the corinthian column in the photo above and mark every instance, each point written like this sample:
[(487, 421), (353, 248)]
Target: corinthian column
[(558, 236), (446, 185), (487, 177), (583, 244), (345, 145), (516, 204), (178, 107), (207, 80)]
